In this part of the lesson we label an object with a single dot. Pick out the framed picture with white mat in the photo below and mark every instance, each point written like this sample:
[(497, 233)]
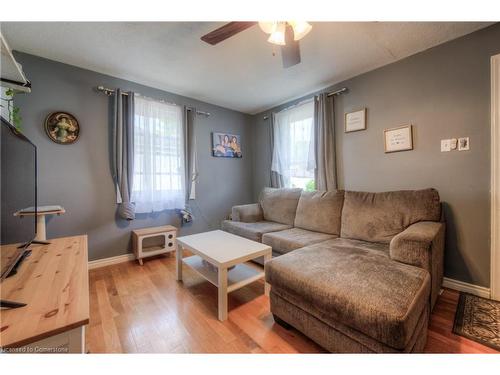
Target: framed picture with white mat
[(398, 139)]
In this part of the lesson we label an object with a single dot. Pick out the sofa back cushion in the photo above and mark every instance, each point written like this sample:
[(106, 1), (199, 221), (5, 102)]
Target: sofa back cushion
[(378, 217), (280, 205), (320, 211)]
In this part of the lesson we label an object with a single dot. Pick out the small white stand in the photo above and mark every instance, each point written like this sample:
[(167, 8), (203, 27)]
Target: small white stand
[(42, 211), (169, 234)]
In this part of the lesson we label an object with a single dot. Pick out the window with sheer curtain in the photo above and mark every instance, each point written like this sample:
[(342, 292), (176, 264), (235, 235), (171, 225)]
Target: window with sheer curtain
[(293, 146), (159, 175)]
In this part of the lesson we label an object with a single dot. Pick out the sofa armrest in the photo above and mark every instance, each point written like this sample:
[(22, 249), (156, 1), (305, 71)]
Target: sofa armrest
[(413, 245), (247, 213), (422, 245)]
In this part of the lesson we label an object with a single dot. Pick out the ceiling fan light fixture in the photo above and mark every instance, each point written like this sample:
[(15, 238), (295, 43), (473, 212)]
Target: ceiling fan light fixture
[(268, 26), (300, 29), (278, 35)]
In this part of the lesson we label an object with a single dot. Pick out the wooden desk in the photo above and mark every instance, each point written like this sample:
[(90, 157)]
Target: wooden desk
[(53, 281)]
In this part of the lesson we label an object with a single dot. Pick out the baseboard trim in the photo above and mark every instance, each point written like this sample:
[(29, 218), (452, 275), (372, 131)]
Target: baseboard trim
[(98, 263), (461, 286)]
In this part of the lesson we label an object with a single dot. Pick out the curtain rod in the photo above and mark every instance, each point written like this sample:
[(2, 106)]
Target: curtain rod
[(341, 91), (110, 92), (337, 92)]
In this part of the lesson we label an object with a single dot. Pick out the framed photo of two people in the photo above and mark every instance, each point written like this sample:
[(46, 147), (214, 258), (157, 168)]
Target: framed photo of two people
[(226, 145)]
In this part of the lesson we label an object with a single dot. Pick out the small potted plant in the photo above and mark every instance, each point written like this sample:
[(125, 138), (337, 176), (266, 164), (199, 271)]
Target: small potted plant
[(13, 111)]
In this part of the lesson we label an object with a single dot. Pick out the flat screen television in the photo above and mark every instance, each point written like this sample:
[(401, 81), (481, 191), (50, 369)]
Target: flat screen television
[(18, 191)]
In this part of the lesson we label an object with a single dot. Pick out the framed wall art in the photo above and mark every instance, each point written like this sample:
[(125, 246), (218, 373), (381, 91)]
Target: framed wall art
[(62, 127), (398, 139), (226, 145), (355, 121)]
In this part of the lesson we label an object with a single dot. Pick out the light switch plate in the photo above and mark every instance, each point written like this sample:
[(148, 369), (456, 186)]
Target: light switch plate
[(445, 145), (463, 144), (453, 143)]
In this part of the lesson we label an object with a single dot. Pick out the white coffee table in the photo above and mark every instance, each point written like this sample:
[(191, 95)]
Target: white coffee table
[(223, 250)]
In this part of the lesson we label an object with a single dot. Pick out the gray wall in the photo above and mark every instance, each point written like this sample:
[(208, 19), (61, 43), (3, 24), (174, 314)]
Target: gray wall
[(78, 176), (443, 92)]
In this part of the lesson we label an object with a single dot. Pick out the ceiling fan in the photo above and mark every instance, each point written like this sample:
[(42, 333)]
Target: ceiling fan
[(283, 33)]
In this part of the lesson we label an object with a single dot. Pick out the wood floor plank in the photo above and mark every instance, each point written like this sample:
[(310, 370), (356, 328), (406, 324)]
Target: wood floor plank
[(136, 309)]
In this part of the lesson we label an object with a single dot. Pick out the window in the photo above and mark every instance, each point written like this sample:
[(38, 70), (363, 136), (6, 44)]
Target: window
[(293, 151), (159, 174)]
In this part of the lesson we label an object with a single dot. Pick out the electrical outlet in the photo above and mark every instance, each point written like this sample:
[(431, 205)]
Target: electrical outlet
[(463, 144), (445, 145)]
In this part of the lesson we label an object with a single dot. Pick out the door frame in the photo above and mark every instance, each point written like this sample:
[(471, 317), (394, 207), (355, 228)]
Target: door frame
[(495, 178)]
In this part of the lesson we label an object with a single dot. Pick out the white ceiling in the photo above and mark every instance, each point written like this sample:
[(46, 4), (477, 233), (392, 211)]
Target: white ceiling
[(240, 73)]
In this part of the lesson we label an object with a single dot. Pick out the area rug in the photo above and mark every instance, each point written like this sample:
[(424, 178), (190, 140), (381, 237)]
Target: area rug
[(478, 319)]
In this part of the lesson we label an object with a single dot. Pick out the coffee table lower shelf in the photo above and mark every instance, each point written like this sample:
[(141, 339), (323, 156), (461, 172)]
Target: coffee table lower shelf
[(241, 275)]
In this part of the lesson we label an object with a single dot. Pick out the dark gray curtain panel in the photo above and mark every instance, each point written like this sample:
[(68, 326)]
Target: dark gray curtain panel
[(190, 153), (277, 180), (123, 152), (324, 139)]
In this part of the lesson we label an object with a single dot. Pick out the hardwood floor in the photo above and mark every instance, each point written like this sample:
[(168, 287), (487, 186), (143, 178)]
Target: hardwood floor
[(144, 309)]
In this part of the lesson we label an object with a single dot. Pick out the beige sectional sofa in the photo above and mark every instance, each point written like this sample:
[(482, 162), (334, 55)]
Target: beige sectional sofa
[(359, 272)]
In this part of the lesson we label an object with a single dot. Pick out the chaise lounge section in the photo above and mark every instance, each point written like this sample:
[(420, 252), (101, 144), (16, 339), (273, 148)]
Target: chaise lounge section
[(355, 271)]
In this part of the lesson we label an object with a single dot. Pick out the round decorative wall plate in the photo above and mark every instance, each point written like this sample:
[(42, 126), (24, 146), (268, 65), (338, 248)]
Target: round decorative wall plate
[(62, 127)]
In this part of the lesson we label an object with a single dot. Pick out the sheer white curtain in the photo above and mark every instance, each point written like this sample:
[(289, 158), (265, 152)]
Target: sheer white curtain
[(159, 165), (293, 145)]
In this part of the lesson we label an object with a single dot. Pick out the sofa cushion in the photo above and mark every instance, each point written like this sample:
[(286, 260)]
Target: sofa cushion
[(280, 205), (361, 289), (287, 240), (320, 211), (378, 217), (375, 248), (252, 231)]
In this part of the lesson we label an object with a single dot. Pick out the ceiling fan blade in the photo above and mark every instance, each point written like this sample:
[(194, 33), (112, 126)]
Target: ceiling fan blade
[(290, 53), (226, 31)]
